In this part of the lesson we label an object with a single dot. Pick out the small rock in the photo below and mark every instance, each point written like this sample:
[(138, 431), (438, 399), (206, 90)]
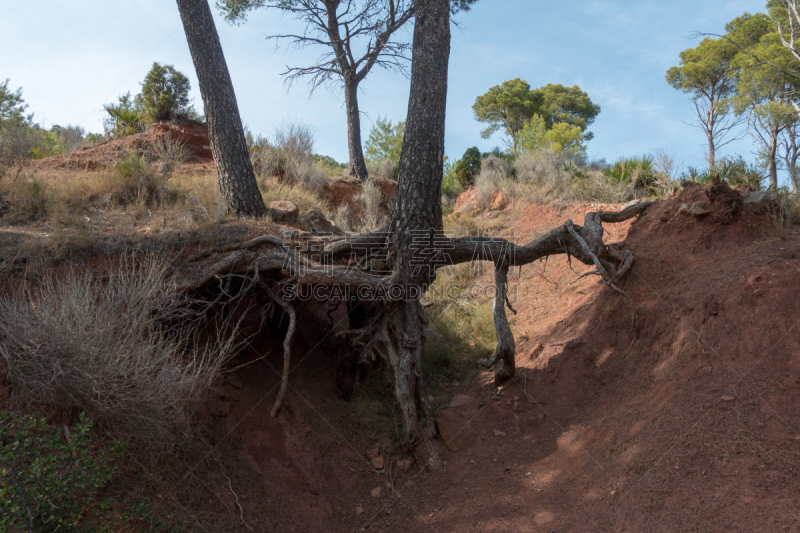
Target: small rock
[(755, 197), (235, 383), (359, 510), (376, 492), (373, 453), (377, 463), (699, 209), (498, 433), (404, 464), (460, 400), (282, 210), (752, 279), (684, 209), (727, 398)]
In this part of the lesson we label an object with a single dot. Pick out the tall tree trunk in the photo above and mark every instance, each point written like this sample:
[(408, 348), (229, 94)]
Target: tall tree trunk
[(772, 149), (712, 154), (417, 219), (709, 124), (358, 167), (237, 181), (793, 153)]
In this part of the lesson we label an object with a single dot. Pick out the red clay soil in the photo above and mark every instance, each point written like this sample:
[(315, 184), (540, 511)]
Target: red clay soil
[(687, 421), (193, 135)]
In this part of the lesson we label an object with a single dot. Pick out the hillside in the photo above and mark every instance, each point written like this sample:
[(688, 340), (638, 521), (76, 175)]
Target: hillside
[(684, 420)]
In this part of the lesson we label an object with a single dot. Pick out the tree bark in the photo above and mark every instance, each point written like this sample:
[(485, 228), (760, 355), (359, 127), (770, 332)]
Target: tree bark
[(772, 150), (712, 154), (417, 220), (708, 125), (358, 166), (237, 181)]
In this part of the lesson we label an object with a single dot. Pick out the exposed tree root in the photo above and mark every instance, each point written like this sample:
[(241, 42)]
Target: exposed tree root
[(287, 348), (396, 330)]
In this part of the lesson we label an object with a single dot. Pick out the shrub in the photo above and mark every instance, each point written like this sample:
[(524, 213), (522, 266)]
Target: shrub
[(119, 348), (289, 157), (17, 144), (385, 141), (342, 216), (785, 207), (468, 167), (32, 199), (124, 119), (50, 479), (169, 153), (165, 94), (386, 169), (371, 216), (494, 172), (734, 171), (136, 180), (12, 106), (329, 164), (451, 184), (638, 171)]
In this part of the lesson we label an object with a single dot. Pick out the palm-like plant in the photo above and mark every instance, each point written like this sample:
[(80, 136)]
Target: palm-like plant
[(637, 170), (126, 121)]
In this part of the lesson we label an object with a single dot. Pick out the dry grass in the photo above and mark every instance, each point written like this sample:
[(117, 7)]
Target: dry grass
[(372, 217), (385, 170), (342, 217), (785, 209), (548, 177), (495, 175), (120, 348), (307, 200), (290, 157)]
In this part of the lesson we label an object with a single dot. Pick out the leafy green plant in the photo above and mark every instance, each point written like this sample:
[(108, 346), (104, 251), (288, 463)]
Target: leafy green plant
[(385, 141), (735, 171), (126, 121), (165, 93), (640, 171), (136, 180), (51, 479)]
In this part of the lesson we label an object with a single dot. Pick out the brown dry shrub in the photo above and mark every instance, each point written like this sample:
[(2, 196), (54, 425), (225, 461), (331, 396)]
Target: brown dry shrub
[(120, 348)]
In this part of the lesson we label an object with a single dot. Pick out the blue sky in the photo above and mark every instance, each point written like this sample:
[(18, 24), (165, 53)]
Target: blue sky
[(73, 57)]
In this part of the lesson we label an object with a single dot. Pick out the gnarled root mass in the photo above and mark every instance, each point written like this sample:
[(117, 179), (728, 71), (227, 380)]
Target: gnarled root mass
[(359, 266)]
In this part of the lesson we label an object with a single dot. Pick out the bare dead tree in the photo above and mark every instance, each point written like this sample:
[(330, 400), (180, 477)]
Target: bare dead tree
[(719, 128), (355, 35)]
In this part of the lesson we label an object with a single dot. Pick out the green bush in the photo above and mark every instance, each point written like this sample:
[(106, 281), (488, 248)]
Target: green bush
[(51, 478), (468, 167), (734, 171), (124, 118), (165, 93), (639, 171)]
